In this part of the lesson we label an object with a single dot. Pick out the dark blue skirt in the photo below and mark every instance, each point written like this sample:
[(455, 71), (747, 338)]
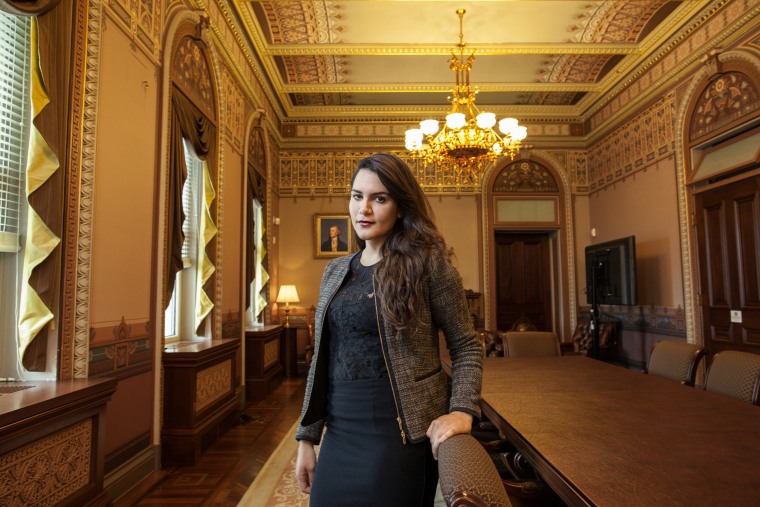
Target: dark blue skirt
[(362, 459)]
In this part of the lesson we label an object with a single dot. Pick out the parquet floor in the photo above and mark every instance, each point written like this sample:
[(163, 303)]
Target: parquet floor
[(224, 472)]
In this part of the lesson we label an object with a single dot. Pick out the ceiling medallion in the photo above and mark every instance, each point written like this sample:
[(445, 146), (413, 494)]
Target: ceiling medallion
[(467, 143)]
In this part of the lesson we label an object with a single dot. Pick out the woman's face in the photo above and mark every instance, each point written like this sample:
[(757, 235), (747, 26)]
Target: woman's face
[(373, 211)]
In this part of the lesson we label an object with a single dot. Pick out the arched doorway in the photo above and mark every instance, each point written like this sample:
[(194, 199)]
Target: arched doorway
[(528, 251), (721, 171)]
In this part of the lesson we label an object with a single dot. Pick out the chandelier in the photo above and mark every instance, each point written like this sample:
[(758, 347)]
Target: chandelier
[(467, 142)]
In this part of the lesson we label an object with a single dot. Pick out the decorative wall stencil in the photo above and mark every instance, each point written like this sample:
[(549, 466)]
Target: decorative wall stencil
[(646, 138), (192, 73), (705, 33), (235, 109), (525, 176), (124, 349), (212, 383), (727, 98), (577, 165), (48, 470), (665, 320), (327, 174), (143, 19)]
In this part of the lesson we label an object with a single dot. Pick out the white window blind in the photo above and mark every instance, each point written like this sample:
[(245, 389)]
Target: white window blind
[(15, 36), (191, 206)]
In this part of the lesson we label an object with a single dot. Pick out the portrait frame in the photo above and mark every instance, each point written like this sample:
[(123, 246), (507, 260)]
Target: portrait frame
[(323, 222)]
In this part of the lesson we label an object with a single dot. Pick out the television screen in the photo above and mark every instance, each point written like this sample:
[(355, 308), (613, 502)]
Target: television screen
[(611, 272)]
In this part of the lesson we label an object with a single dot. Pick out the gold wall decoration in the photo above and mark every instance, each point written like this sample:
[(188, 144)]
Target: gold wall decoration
[(143, 19), (325, 174), (525, 176), (727, 98), (645, 139), (235, 110)]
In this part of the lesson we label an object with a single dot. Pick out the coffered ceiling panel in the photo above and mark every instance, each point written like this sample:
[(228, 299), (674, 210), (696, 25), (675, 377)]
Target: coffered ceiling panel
[(389, 60)]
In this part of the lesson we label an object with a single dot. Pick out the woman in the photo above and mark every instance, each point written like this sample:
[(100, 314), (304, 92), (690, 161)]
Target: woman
[(376, 379)]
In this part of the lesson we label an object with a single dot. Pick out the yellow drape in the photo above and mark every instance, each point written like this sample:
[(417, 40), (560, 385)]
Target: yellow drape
[(262, 277), (204, 304), (40, 240)]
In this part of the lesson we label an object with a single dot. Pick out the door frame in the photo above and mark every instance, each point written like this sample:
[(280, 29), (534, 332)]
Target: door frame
[(563, 297), (690, 150)]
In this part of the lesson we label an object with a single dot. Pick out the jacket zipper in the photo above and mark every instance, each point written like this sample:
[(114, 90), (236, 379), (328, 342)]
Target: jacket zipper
[(385, 358)]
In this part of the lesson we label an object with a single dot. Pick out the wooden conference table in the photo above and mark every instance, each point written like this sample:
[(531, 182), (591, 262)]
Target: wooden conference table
[(604, 435)]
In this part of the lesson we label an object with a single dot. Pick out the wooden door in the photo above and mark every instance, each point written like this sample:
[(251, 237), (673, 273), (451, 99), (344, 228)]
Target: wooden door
[(523, 279), (728, 240)]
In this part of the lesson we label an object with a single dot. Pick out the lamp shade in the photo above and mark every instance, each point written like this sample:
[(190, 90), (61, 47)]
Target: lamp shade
[(288, 294)]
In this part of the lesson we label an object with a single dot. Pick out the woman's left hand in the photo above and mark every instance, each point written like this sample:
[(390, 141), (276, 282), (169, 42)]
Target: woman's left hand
[(447, 426)]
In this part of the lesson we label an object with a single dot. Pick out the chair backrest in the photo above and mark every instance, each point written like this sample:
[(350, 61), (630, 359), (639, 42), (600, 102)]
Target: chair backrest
[(492, 343), (676, 361), (735, 374), (467, 474), (531, 344)]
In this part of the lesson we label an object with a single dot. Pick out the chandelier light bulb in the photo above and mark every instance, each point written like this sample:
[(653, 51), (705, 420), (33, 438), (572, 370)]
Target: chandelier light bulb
[(486, 120), (429, 127), (520, 133), (466, 144), (413, 138), (455, 121), (507, 126)]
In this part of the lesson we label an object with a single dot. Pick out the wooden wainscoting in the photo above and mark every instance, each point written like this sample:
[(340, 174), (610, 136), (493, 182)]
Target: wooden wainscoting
[(200, 400), (51, 442)]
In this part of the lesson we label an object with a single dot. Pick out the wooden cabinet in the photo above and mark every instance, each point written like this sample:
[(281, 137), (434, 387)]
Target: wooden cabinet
[(200, 402), (264, 354), (51, 442)]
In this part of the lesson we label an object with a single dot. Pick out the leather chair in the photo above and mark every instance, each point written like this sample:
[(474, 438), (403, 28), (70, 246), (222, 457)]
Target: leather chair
[(531, 344), (467, 475), (735, 374), (678, 361)]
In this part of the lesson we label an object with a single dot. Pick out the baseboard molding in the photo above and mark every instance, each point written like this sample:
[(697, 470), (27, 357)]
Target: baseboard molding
[(132, 473)]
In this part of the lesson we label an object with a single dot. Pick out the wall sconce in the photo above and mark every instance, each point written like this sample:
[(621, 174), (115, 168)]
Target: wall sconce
[(288, 294)]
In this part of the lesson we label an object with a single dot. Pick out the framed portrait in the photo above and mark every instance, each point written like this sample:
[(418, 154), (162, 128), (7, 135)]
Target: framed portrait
[(332, 235)]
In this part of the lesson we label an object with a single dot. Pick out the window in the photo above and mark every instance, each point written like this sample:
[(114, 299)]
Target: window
[(179, 319), (15, 120), (254, 314)]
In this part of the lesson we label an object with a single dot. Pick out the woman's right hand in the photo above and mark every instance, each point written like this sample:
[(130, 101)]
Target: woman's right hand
[(306, 462)]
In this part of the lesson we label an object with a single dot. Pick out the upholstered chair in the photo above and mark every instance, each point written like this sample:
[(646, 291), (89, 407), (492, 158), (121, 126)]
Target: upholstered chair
[(735, 374), (468, 477), (677, 361), (531, 344), (492, 343)]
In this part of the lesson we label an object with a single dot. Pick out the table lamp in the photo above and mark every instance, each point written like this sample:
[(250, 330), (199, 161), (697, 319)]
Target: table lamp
[(287, 295)]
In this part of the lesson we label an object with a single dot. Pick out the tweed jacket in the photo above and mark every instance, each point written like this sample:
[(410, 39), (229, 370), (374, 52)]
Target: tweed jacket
[(423, 390)]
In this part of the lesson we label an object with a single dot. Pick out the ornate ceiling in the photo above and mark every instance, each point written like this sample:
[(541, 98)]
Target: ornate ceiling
[(388, 60)]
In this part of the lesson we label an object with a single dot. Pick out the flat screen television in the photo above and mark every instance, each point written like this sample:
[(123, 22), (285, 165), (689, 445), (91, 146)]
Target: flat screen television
[(611, 272)]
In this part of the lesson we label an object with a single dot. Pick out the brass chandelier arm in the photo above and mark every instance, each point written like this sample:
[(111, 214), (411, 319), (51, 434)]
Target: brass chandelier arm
[(467, 142)]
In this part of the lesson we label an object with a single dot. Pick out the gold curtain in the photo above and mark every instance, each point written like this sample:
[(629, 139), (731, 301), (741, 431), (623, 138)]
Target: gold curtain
[(189, 123), (42, 164)]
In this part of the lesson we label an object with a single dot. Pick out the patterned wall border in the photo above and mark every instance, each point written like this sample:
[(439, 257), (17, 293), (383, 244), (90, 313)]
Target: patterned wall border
[(664, 320), (683, 50), (121, 350), (75, 326), (142, 20), (646, 138)]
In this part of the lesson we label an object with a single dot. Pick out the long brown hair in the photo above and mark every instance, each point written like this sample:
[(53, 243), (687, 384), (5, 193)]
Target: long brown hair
[(412, 242)]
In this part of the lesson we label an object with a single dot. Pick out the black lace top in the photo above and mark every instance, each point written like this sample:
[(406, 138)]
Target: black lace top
[(355, 352)]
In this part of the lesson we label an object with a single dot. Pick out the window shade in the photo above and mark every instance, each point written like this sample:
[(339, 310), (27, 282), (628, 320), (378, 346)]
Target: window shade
[(15, 34)]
